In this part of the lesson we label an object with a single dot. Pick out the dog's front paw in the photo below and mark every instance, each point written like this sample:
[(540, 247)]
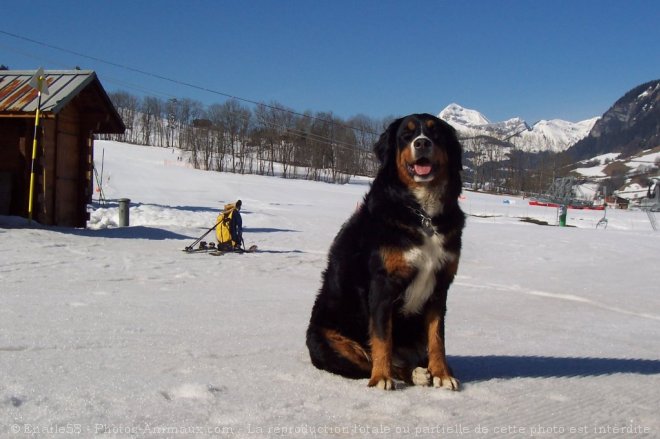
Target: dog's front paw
[(446, 382), (381, 382), (421, 376)]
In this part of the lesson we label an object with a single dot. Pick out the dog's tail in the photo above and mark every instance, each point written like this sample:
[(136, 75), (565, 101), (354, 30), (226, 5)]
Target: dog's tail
[(331, 351)]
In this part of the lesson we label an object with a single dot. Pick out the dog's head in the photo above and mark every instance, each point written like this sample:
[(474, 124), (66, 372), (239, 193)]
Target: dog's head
[(422, 149)]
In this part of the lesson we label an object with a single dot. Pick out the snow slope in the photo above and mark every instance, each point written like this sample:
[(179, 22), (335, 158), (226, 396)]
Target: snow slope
[(644, 162), (115, 332)]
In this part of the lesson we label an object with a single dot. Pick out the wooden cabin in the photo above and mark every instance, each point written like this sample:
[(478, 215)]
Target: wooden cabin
[(75, 109)]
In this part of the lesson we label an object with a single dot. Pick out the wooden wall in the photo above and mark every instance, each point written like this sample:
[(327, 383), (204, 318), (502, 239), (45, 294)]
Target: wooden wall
[(67, 167), (14, 165), (63, 181)]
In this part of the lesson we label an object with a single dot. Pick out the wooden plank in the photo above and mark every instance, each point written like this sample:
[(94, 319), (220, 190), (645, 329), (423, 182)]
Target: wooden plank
[(67, 200)]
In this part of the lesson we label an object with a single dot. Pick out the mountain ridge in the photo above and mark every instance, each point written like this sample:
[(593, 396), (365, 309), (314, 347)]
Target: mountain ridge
[(630, 125), (555, 135)]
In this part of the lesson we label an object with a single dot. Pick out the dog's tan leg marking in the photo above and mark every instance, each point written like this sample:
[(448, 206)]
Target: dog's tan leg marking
[(438, 368), (349, 349), (381, 357)]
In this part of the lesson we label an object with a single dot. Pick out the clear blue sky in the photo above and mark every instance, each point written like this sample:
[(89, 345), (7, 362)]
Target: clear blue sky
[(537, 59)]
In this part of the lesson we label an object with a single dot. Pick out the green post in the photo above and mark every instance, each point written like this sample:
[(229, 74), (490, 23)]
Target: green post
[(562, 215)]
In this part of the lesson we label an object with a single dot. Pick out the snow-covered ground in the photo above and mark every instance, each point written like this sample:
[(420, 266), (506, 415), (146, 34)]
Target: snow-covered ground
[(115, 332), (642, 162)]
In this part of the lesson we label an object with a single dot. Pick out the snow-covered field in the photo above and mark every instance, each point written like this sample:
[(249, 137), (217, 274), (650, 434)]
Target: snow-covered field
[(115, 332)]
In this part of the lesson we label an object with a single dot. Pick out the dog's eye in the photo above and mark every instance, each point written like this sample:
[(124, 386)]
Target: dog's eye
[(407, 136)]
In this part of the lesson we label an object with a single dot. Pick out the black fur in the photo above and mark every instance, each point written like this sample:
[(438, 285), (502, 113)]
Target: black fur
[(359, 296)]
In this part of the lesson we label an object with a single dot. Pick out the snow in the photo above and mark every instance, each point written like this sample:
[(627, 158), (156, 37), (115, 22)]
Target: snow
[(593, 171), (465, 117), (650, 90), (632, 191), (643, 162), (646, 160), (562, 132), (604, 158), (115, 332), (545, 135)]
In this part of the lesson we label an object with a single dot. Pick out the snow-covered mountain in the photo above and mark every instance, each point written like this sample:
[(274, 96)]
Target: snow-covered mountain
[(553, 135), (459, 117), (629, 127), (563, 131)]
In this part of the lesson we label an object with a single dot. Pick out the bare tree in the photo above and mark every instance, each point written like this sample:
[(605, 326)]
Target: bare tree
[(150, 114), (267, 137), (229, 136), (215, 114), (366, 134), (127, 106), (187, 110), (172, 124), (236, 121), (277, 126)]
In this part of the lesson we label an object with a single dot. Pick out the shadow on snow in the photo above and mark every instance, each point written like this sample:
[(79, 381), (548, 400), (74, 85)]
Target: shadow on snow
[(266, 230), (132, 232), (113, 204), (487, 367)]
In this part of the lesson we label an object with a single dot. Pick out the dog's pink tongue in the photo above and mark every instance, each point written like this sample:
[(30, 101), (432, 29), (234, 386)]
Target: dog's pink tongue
[(424, 169)]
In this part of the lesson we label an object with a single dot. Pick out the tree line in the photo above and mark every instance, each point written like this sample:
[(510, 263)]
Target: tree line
[(268, 139), (496, 165), (271, 139)]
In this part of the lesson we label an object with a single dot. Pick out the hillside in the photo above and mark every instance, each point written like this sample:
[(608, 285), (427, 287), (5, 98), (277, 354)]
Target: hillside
[(115, 332), (630, 126)]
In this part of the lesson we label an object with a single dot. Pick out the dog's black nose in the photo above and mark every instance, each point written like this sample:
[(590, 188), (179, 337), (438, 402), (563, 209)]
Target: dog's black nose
[(422, 142)]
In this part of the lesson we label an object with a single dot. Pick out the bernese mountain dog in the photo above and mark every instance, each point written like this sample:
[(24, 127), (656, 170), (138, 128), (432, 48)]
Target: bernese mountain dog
[(380, 312)]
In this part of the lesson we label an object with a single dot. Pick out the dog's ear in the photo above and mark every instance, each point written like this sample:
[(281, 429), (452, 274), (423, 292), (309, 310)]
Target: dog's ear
[(456, 148), (387, 142)]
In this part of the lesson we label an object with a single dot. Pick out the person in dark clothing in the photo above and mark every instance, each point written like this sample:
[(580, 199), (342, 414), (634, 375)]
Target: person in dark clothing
[(236, 226)]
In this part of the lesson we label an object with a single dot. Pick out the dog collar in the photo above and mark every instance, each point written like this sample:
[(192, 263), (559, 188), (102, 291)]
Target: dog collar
[(427, 222)]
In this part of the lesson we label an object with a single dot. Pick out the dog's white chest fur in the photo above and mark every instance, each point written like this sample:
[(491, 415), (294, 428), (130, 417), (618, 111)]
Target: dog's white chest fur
[(427, 259)]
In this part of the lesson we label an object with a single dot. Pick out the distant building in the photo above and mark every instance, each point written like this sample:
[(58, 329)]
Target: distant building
[(76, 108), (640, 196), (631, 192)]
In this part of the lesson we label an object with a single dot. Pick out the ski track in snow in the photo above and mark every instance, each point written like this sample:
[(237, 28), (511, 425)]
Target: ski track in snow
[(117, 333), (558, 296)]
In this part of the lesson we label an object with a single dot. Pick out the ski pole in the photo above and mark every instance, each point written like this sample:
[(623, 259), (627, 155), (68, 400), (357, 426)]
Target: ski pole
[(191, 246)]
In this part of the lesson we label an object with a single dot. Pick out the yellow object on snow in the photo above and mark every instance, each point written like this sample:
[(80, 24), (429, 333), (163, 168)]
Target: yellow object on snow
[(222, 231)]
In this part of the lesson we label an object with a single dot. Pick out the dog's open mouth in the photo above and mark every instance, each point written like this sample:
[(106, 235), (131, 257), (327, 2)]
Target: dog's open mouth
[(422, 167)]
